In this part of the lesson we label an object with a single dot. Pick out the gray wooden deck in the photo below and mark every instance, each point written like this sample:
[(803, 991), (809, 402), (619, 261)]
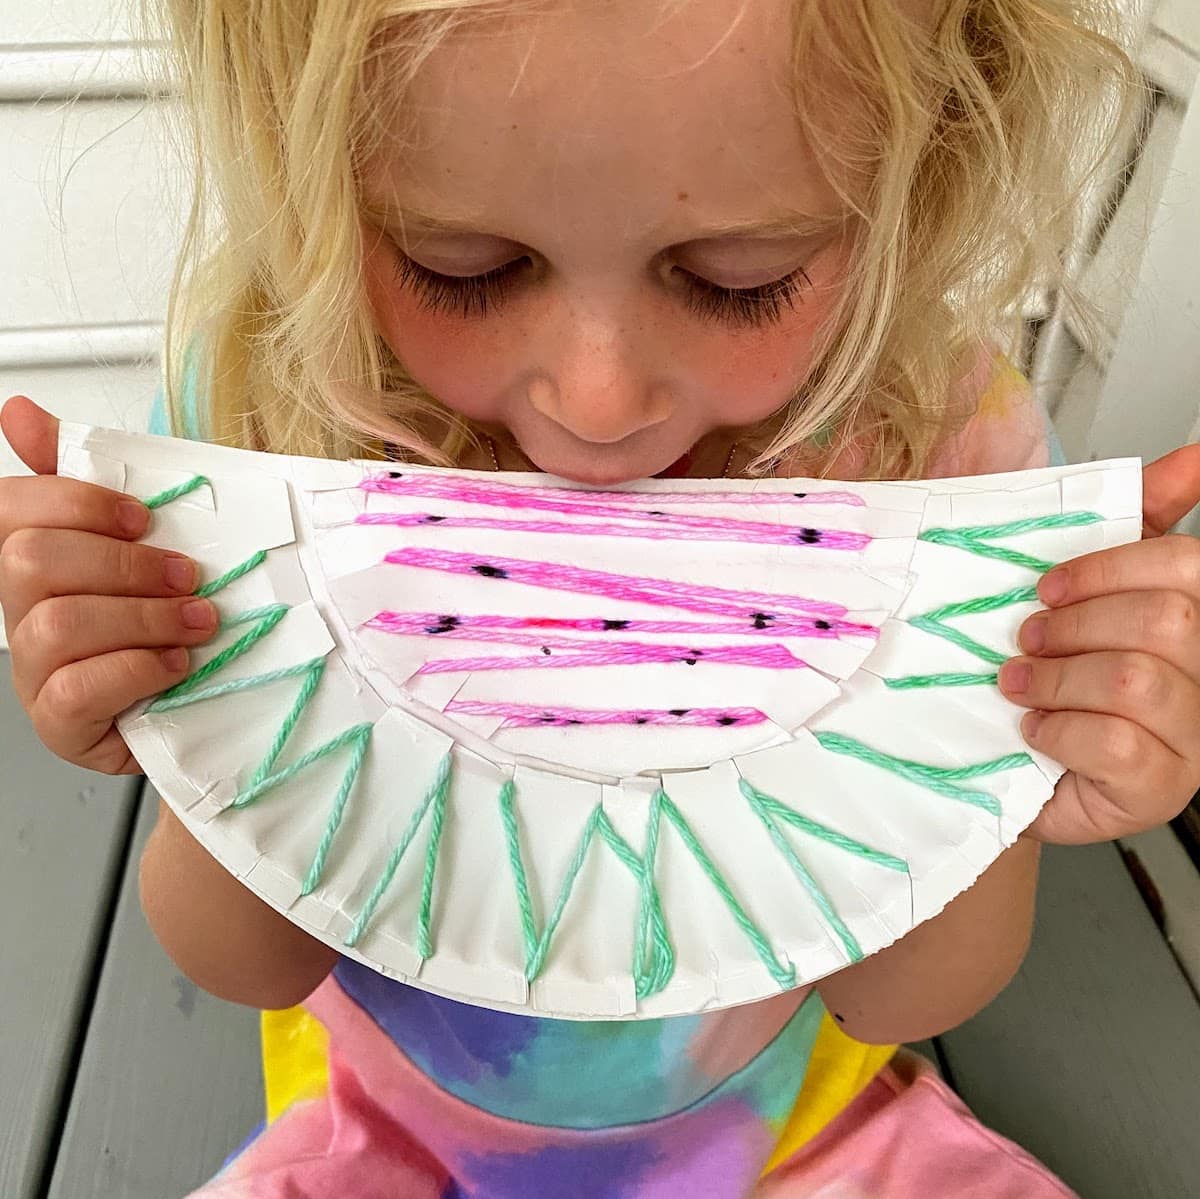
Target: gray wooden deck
[(120, 1079)]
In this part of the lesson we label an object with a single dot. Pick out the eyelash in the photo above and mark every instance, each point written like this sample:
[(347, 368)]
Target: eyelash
[(474, 295)]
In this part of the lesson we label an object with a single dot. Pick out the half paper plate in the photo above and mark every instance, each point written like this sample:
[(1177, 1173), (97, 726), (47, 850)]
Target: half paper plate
[(590, 754)]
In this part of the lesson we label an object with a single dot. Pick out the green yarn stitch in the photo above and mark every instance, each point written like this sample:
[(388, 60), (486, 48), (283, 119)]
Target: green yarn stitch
[(941, 779), (435, 794), (976, 540), (767, 809), (915, 682), (173, 493)]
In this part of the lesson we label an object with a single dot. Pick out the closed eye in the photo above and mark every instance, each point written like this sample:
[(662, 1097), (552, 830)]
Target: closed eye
[(470, 296)]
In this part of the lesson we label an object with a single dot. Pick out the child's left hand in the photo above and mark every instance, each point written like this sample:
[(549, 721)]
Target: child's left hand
[(1113, 672)]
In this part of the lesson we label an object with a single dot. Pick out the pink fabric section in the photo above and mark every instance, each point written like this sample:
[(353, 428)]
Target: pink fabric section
[(908, 1136)]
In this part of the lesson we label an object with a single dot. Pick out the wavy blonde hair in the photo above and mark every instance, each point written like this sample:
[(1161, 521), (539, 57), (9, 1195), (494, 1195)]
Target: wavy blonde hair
[(966, 155)]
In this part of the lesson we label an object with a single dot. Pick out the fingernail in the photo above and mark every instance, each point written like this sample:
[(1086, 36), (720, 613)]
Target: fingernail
[(180, 572), (132, 517), (198, 614), (175, 659), (1033, 635), (1053, 587), (1015, 676), (1030, 723)]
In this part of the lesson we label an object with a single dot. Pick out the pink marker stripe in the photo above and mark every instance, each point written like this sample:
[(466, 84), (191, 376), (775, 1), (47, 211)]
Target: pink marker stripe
[(714, 601), (507, 629), (563, 499), (684, 529), (776, 657), (523, 716)]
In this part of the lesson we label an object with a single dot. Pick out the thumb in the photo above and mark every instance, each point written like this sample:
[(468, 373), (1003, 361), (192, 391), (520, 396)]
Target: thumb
[(33, 434)]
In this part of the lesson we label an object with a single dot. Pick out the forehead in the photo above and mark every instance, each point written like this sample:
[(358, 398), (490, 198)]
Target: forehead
[(617, 113)]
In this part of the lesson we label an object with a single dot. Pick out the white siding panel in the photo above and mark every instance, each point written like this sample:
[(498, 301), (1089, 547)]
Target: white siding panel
[(60, 21), (97, 210)]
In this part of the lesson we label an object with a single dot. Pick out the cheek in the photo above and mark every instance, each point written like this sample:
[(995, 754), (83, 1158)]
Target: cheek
[(753, 374), (456, 361)]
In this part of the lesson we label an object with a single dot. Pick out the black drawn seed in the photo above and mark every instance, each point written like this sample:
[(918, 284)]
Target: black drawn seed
[(800, 495), (655, 512), (726, 720), (489, 572), (611, 625), (433, 520), (394, 474), (679, 711), (573, 721), (823, 625), (639, 720), (761, 620), (809, 536), (546, 717), (546, 650)]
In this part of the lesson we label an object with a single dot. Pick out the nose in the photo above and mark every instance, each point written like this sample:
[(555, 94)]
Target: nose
[(599, 388)]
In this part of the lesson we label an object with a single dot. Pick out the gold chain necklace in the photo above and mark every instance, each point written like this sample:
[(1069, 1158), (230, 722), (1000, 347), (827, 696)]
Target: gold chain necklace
[(496, 461)]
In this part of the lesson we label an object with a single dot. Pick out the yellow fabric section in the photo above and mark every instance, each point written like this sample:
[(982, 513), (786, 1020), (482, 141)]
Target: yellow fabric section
[(294, 1057), (838, 1071), (1006, 382)]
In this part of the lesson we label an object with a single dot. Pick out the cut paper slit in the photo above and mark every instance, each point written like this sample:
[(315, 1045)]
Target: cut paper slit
[(600, 754)]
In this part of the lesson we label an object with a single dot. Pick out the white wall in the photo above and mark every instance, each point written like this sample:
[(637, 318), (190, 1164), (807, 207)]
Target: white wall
[(90, 214)]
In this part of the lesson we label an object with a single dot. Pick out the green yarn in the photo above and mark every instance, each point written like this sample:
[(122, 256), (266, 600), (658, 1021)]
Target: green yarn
[(173, 493), (941, 779), (231, 687), (243, 568), (437, 815), (915, 682), (976, 540), (357, 737), (231, 653), (512, 840), (783, 972), (436, 793), (769, 810)]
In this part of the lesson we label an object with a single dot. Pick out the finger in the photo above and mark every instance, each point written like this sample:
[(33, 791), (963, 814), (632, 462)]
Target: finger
[(1121, 779), (36, 564), (51, 503), (1163, 623), (1136, 686), (74, 711), (1170, 563), (70, 628), (1170, 489), (32, 432)]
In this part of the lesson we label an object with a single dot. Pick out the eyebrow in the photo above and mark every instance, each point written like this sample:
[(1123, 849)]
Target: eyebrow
[(778, 225)]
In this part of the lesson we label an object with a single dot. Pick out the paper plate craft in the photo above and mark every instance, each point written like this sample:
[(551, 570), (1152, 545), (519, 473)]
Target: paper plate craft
[(613, 754)]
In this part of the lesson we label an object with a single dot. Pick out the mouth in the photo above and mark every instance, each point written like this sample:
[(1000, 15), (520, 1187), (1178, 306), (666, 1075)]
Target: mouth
[(678, 468)]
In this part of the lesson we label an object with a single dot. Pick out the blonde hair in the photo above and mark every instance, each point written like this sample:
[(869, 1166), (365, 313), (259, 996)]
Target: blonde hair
[(965, 155)]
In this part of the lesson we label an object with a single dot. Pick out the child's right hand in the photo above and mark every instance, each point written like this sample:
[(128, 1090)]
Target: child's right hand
[(95, 621)]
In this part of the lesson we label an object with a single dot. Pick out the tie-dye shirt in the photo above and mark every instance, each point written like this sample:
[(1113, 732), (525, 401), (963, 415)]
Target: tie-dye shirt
[(378, 1089)]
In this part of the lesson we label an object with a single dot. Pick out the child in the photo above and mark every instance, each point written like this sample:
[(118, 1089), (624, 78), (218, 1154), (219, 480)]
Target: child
[(609, 239)]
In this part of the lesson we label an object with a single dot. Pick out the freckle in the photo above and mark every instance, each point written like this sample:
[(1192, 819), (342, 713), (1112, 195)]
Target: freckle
[(683, 196)]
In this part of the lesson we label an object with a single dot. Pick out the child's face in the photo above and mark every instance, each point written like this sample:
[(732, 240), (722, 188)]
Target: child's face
[(601, 154)]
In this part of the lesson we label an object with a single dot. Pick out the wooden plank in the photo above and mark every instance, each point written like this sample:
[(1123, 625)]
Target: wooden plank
[(1091, 1057), (64, 836), (170, 1081)]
